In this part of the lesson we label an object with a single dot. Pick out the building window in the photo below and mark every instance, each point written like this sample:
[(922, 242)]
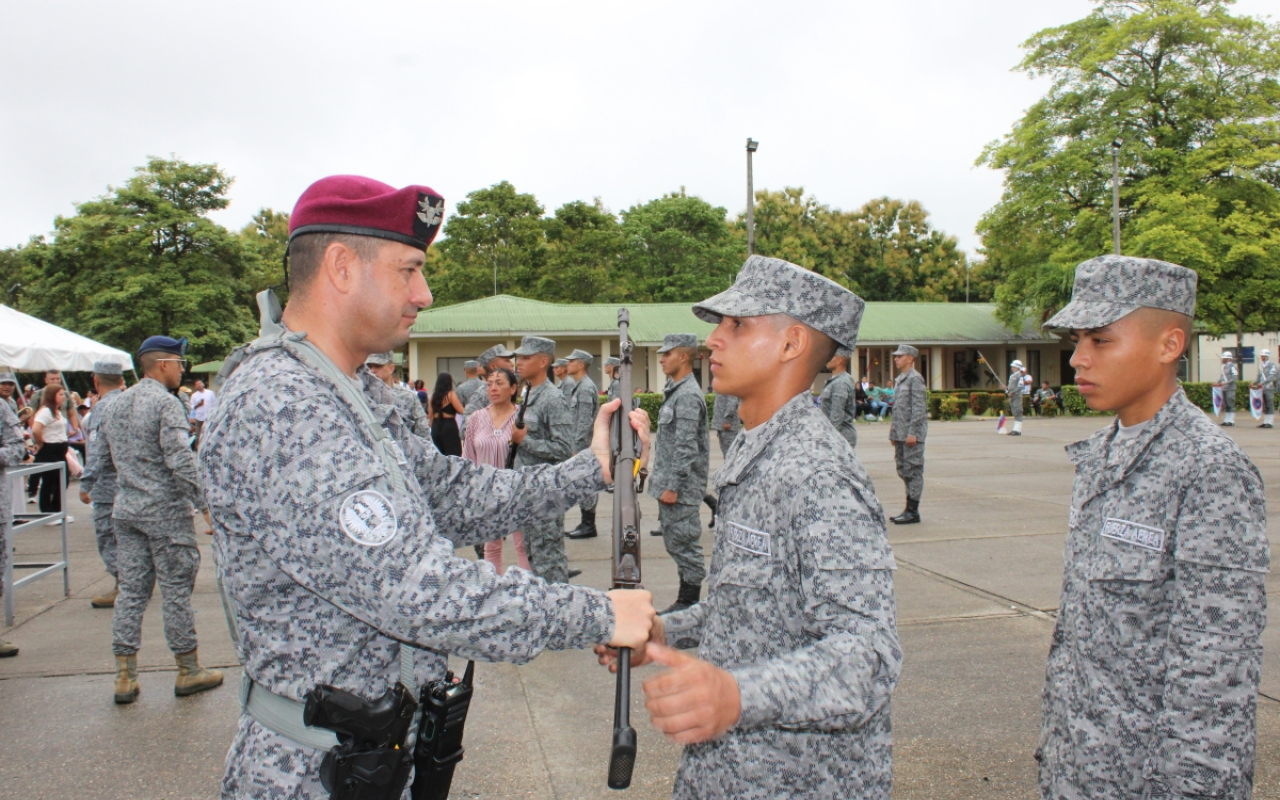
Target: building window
[(454, 366), (1033, 366)]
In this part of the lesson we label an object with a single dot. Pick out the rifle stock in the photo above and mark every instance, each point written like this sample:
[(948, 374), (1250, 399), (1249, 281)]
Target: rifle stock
[(626, 551)]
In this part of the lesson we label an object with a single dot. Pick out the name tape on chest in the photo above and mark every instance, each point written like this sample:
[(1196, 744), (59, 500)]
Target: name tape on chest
[(752, 541), (1132, 533), (368, 518)]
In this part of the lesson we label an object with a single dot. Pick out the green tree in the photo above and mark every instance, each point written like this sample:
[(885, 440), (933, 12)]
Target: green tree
[(678, 249), (584, 247), (145, 259), (1193, 93), (267, 236), (494, 236)]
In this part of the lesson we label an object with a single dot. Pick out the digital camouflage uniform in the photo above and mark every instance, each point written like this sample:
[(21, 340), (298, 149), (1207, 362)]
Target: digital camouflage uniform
[(550, 440), (468, 388), (840, 406), (99, 481), (1153, 672), (800, 610), (324, 597), (681, 460), (910, 418), (584, 404), (411, 409), (144, 434), (13, 451), (725, 411)]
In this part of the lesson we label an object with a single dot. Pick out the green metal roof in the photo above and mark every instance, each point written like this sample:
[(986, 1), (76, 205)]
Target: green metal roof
[(505, 316)]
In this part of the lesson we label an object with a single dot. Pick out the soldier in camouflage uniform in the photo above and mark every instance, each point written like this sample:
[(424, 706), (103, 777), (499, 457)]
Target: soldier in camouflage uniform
[(495, 357), (98, 481), (548, 438), (336, 526), (144, 434), (10, 391), (584, 402), (1230, 376), (560, 374), (472, 384), (13, 451), (610, 368), (838, 397), (383, 366), (725, 420), (1152, 682), (680, 465), (797, 647), (909, 427), (1014, 390), (1268, 382)]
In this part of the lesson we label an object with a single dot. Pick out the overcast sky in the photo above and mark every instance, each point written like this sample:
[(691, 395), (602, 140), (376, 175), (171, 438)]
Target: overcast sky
[(567, 100)]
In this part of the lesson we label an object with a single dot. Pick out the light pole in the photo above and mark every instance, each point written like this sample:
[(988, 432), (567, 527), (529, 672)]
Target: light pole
[(752, 145), (966, 280), (1115, 193)]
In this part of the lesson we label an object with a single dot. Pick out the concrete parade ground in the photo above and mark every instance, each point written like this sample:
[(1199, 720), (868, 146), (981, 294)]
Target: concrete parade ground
[(977, 588)]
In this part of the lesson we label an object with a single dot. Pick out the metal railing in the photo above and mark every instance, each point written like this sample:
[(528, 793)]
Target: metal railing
[(24, 521)]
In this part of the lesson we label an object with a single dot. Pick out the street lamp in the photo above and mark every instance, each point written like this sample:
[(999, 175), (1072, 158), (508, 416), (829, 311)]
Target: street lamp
[(1115, 193), (752, 146)]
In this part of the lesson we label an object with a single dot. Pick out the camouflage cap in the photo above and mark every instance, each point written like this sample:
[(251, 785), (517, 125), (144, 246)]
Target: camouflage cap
[(113, 368), (1110, 287), (471, 365), (906, 350), (560, 362), (380, 359), (531, 345), (9, 377), (772, 286), (583, 356), (674, 340), (612, 361), (497, 351)]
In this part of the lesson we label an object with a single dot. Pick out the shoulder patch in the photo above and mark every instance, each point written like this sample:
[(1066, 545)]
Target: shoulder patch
[(1132, 533), (751, 540), (368, 518)]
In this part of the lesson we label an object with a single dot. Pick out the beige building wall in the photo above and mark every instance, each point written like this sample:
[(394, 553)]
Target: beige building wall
[(1210, 354)]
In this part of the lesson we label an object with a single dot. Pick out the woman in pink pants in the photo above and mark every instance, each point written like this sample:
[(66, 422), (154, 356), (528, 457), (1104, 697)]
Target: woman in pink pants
[(488, 441)]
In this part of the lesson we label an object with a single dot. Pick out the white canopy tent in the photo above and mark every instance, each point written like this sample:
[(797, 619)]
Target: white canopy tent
[(31, 345)]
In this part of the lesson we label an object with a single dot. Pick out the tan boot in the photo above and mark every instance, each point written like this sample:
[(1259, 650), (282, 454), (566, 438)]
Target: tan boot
[(107, 600), (192, 677), (127, 686), (7, 649)]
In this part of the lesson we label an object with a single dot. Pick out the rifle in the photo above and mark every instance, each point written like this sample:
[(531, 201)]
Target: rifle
[(524, 406), (626, 551)]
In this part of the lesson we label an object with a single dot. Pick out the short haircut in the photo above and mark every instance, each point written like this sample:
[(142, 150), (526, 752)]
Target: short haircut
[(1156, 320), (691, 352), (307, 251), (109, 380), (148, 360), (824, 347)]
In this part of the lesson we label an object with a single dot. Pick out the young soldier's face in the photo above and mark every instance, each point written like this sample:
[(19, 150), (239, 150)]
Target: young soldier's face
[(1119, 364), (529, 367), (745, 353)]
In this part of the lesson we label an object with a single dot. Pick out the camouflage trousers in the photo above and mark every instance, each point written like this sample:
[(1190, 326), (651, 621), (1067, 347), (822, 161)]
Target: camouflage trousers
[(147, 552), (726, 438), (1015, 406), (590, 503), (544, 542), (681, 528), (105, 531), (910, 463)]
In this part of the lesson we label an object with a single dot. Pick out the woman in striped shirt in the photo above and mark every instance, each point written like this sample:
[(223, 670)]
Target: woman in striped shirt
[(488, 441)]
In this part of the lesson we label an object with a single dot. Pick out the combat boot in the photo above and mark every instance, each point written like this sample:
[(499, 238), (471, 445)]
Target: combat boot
[(127, 686), (8, 649), (586, 529), (910, 515), (689, 595), (107, 600), (192, 677)]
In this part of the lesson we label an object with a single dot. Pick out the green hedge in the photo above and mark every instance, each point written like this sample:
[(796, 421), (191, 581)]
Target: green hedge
[(652, 403), (1073, 402), (1202, 395)]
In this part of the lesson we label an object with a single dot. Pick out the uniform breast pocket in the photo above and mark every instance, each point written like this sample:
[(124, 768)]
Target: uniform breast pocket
[(1125, 569), (531, 419), (666, 416)]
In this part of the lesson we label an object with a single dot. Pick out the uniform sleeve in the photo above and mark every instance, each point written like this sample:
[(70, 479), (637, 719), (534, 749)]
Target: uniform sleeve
[(836, 405), (560, 422), (684, 429), (1014, 383), (92, 461), (409, 585), (174, 437), (1206, 729), (683, 629), (585, 419), (13, 449), (919, 408), (846, 673)]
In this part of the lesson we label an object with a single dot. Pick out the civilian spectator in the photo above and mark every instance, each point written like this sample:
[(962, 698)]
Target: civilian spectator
[(1042, 394), (49, 432), (862, 403), (444, 410), (881, 401), (202, 403), (489, 442)]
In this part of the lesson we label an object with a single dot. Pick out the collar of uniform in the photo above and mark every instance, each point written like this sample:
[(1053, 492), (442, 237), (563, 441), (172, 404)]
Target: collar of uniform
[(745, 450), (902, 376), (538, 391), (671, 388), (378, 393), (1175, 409)]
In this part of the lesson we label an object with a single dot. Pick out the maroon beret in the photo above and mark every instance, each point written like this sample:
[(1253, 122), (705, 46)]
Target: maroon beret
[(365, 207)]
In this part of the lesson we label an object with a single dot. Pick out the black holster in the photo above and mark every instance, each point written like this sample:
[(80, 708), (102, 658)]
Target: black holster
[(439, 749), (370, 761)]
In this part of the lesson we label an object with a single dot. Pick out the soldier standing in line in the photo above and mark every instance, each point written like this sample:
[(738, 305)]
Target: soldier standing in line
[(680, 466), (472, 384), (547, 438), (584, 404), (383, 366), (839, 397), (13, 451), (610, 371), (98, 483), (143, 433), (909, 426), (560, 372), (1152, 682), (797, 647), (496, 357), (725, 419), (1230, 375), (1014, 391), (1268, 382)]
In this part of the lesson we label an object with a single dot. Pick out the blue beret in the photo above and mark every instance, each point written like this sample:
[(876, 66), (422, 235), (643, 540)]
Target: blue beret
[(164, 344)]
